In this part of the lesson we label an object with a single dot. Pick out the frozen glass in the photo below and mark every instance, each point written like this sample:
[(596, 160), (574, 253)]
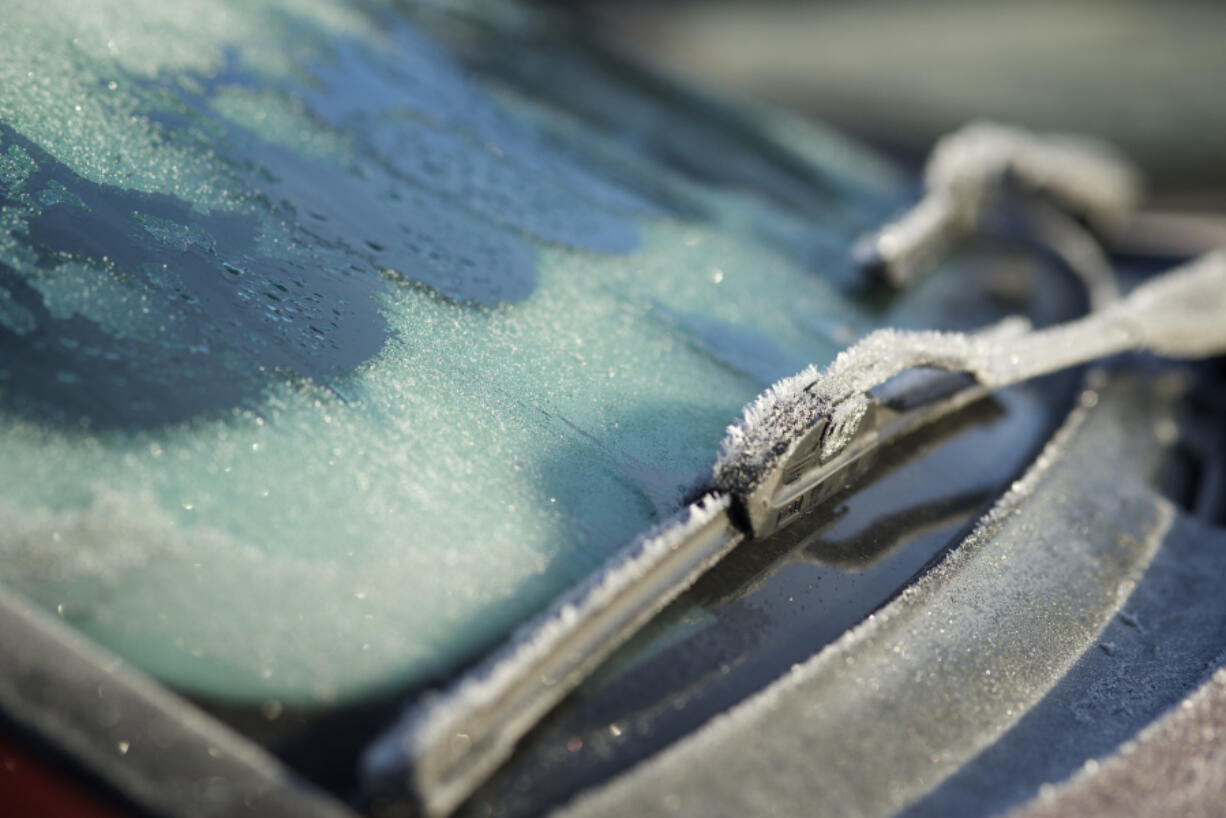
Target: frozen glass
[(334, 342)]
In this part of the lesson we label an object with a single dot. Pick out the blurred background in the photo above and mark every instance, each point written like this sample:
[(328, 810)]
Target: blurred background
[(1150, 77)]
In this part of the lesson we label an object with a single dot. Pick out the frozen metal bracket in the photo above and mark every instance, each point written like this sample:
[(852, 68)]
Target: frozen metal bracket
[(968, 173), (779, 461)]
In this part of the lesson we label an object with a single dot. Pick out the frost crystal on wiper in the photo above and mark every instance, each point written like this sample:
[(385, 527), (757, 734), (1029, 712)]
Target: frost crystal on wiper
[(776, 419), (1177, 314)]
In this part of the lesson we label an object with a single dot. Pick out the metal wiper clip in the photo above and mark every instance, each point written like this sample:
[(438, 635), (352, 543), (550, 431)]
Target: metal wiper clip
[(781, 459), (970, 170)]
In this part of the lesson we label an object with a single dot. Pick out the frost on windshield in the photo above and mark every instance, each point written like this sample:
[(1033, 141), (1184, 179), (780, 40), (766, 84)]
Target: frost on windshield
[(326, 355)]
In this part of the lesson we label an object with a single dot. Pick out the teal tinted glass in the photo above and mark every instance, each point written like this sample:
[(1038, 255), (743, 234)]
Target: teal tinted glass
[(335, 340)]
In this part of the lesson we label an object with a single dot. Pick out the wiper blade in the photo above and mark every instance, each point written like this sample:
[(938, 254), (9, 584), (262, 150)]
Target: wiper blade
[(444, 749)]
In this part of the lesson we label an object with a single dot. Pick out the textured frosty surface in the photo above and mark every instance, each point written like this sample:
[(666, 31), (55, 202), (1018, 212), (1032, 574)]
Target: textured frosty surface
[(322, 361), (869, 724)]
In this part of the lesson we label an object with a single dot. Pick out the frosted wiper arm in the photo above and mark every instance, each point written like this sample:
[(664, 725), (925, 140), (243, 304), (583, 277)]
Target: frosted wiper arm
[(776, 463), (968, 172)]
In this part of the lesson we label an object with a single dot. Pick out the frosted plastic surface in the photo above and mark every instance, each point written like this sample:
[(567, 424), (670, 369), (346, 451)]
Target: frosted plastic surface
[(322, 363)]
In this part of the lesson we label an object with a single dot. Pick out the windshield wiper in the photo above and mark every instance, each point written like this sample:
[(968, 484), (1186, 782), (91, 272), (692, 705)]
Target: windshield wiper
[(802, 441)]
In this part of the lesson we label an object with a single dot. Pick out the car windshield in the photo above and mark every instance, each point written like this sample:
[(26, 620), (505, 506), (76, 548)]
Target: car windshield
[(335, 341)]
